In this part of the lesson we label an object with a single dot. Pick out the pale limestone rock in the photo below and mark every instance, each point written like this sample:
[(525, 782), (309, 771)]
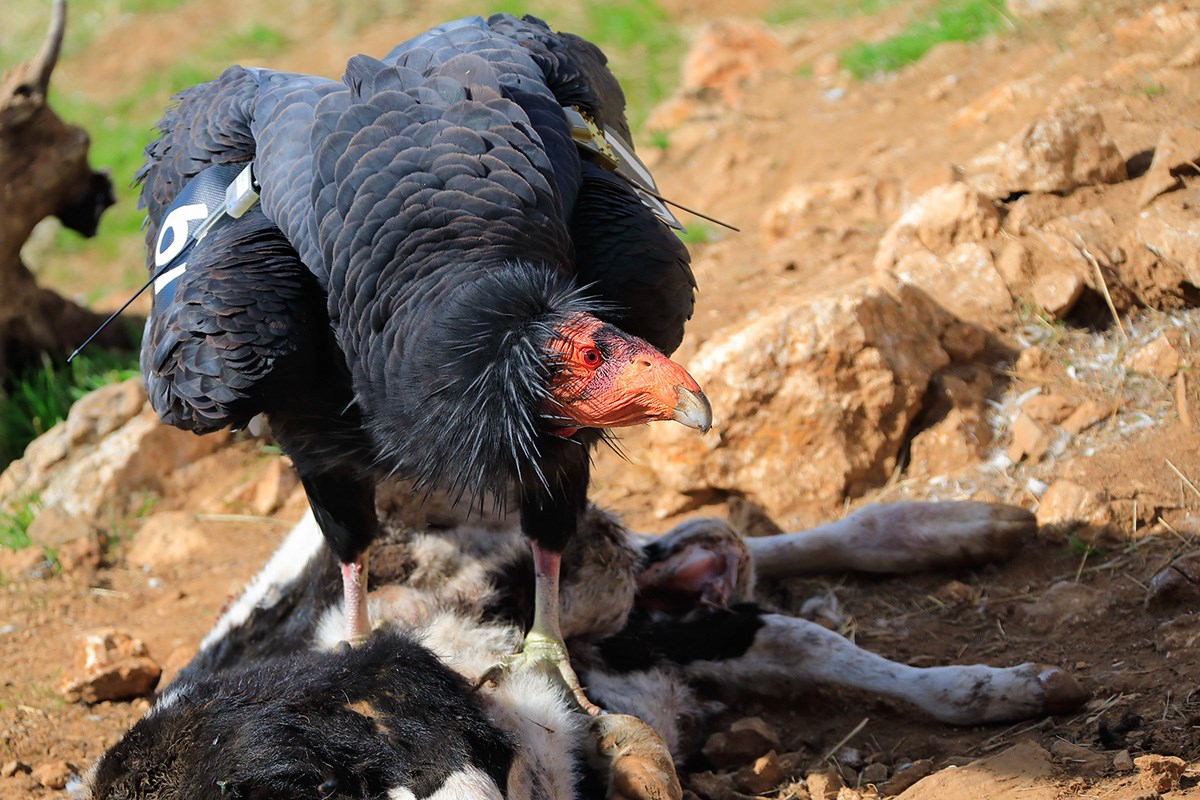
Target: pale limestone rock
[(1067, 503), (805, 205), (53, 528), (1057, 290), (1030, 439), (53, 774), (1067, 148), (940, 219), (166, 539), (965, 282), (1160, 773), (90, 465), (1174, 236), (1161, 357), (1177, 147), (1087, 414), (728, 53), (812, 400), (112, 666)]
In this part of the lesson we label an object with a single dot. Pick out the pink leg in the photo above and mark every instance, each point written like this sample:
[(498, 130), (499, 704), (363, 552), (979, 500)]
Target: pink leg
[(354, 593), (544, 642)]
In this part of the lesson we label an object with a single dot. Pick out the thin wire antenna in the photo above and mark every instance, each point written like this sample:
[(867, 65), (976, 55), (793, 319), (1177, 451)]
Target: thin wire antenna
[(117, 313), (682, 207)]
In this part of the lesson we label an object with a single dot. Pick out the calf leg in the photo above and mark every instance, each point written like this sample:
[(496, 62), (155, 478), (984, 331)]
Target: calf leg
[(898, 537), (788, 654)]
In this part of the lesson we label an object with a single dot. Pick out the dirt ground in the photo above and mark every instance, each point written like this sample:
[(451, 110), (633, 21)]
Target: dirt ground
[(1075, 597)]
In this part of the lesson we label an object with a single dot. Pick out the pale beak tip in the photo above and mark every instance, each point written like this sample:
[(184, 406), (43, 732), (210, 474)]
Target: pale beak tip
[(693, 409)]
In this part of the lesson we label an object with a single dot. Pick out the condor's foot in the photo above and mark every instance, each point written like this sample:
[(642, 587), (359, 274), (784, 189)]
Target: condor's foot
[(547, 654), (635, 758)]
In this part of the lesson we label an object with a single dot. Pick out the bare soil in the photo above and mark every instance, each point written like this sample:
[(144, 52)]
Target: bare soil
[(734, 158)]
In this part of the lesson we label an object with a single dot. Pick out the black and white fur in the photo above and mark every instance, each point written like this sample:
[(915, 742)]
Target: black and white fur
[(254, 714)]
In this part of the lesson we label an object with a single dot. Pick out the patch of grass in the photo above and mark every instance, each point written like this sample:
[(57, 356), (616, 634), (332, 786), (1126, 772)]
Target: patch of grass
[(253, 41), (697, 233), (14, 524), (949, 21), (1152, 89), (39, 398), (792, 10)]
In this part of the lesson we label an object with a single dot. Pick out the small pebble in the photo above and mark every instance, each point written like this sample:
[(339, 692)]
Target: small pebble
[(53, 774), (873, 773), (1122, 761)]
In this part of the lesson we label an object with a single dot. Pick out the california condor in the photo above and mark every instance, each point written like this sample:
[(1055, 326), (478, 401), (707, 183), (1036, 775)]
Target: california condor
[(444, 267)]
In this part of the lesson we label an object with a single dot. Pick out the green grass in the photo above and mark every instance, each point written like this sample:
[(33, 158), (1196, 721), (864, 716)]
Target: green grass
[(39, 398), (948, 21), (251, 42), (14, 524), (697, 233), (792, 10)]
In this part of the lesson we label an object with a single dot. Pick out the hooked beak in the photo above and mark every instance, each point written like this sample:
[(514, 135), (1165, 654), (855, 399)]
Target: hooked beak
[(693, 409)]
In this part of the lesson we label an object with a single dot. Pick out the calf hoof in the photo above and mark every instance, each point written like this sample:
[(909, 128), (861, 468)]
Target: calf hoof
[(1060, 691), (639, 765)]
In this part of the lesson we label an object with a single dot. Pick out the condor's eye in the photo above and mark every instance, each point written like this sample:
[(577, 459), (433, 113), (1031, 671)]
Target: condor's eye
[(591, 357)]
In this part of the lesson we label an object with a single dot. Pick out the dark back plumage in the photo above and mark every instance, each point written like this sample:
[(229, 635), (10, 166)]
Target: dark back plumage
[(448, 222)]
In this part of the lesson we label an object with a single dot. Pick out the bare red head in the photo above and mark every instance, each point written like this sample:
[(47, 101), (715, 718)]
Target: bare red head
[(606, 378)]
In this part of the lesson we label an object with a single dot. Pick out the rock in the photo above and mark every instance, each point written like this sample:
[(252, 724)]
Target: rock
[(1122, 761), (272, 487), (962, 435), (1021, 765), (10, 768), (728, 53), (1178, 636), (52, 527), (80, 556), (1065, 149), (1188, 57), (101, 412), (1085, 415), (713, 787), (962, 341), (746, 739), (813, 400), (1160, 773), (1080, 759), (1068, 504), (1057, 290), (1031, 364), (166, 539), (112, 666), (1049, 408), (874, 773), (1173, 236), (939, 220), (760, 777), (28, 562), (995, 103), (1012, 263), (863, 199), (1160, 358), (1064, 605), (1177, 148), (1177, 584), (1030, 439), (90, 472), (908, 774), (965, 282), (53, 774), (825, 785)]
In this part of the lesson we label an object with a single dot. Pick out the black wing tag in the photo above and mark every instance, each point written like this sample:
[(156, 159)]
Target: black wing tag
[(215, 196)]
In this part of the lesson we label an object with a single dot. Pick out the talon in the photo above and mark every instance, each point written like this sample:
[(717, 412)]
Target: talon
[(639, 765)]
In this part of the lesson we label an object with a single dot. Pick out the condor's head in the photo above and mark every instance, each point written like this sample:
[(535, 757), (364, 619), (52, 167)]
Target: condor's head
[(602, 377)]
